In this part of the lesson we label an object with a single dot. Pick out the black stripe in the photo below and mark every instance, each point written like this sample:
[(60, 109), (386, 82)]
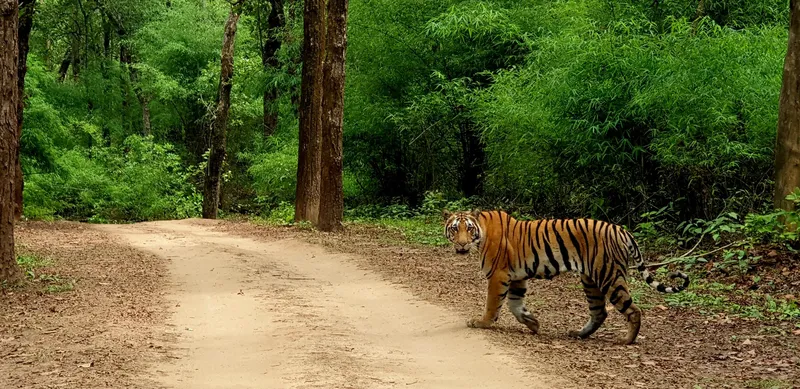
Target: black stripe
[(518, 291), (595, 236), (549, 251), (562, 247), (614, 298), (627, 304), (577, 247), (594, 297)]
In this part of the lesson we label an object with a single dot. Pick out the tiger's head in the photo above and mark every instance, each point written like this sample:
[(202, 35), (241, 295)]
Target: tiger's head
[(463, 230)]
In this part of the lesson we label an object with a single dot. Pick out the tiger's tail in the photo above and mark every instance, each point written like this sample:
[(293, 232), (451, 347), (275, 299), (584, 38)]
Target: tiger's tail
[(636, 255)]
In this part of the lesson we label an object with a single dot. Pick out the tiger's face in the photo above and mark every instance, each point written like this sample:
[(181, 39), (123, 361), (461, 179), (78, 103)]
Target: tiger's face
[(463, 230)]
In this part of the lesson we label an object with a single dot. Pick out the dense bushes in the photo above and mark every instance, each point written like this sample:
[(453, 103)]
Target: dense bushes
[(138, 180), (614, 109)]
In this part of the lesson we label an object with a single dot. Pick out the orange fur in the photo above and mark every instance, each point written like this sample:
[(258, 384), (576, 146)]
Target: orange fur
[(514, 251)]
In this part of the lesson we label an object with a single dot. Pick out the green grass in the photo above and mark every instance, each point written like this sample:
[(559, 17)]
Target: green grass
[(767, 384), (31, 263), (713, 297), (426, 231)]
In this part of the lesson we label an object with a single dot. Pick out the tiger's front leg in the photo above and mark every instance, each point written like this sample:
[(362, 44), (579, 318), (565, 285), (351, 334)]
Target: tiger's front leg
[(516, 304), (495, 297)]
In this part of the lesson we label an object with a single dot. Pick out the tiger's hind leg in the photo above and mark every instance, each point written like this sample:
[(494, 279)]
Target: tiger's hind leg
[(516, 304), (597, 309), (621, 298)]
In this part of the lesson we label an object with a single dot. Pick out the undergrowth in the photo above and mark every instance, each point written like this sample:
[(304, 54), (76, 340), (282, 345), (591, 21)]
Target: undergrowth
[(35, 270)]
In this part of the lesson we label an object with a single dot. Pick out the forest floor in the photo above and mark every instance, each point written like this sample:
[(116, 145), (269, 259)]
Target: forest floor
[(193, 304)]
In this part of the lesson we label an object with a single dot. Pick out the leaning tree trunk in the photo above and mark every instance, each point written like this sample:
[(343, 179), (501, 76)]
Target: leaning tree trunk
[(269, 59), (219, 126), (64, 67), (787, 150), (9, 96), (331, 205), (308, 159), (26, 8)]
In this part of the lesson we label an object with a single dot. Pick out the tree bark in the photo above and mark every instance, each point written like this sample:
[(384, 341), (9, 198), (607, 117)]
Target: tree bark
[(331, 205), (26, 10), (787, 150), (219, 126), (308, 159), (76, 55), (9, 97), (64, 67), (146, 124), (269, 59), (474, 160)]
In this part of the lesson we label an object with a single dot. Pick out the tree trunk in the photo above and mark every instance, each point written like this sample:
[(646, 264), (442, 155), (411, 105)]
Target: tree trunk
[(331, 205), (308, 159), (699, 13), (146, 126), (76, 55), (269, 59), (219, 126), (62, 70), (9, 96), (26, 10), (125, 61), (787, 150), (474, 160)]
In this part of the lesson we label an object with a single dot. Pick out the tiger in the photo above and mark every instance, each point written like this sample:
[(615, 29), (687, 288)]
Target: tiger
[(513, 251)]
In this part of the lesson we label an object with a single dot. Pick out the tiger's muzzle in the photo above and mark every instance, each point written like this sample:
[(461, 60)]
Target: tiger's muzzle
[(462, 249)]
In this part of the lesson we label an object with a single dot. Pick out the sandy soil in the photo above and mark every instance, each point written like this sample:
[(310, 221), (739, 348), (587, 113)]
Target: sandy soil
[(288, 314)]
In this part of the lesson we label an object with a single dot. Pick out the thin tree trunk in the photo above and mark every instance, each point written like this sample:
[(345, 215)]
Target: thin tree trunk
[(331, 205), (125, 61), (26, 8), (308, 157), (699, 13), (76, 55), (269, 59), (474, 160), (787, 150), (146, 126), (62, 70), (9, 96), (219, 126)]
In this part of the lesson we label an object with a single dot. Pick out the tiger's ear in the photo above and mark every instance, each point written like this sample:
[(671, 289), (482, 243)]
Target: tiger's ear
[(475, 213), (446, 214)]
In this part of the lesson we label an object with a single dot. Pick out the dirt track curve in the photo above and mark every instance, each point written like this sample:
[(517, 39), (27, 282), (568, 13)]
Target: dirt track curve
[(288, 314)]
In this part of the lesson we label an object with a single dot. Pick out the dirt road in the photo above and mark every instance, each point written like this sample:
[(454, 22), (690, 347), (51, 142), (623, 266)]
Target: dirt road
[(287, 314)]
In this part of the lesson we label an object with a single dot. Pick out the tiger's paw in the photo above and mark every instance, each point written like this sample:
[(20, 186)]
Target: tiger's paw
[(531, 323), (625, 341), (478, 322), (575, 334)]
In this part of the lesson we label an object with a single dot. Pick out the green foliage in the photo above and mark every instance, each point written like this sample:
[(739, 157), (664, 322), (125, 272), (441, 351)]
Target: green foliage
[(713, 297), (640, 113), (32, 263), (777, 226), (138, 180)]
